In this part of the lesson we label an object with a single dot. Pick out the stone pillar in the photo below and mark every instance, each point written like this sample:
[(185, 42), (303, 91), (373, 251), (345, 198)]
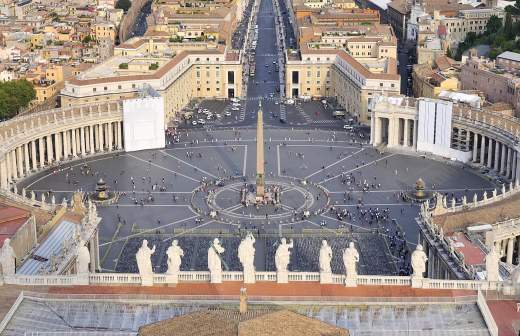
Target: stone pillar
[(503, 157), (414, 134), (101, 137), (34, 162), (82, 140), (518, 249), (26, 158), (96, 129), (66, 144), (510, 247), (513, 171), (508, 164), (482, 160), (9, 167), (4, 178), (475, 147), (119, 135), (497, 156), (74, 142), (19, 160), (490, 153), (110, 137), (92, 247), (406, 141), (91, 139), (378, 132), (57, 146), (13, 162), (41, 152), (50, 156), (373, 130)]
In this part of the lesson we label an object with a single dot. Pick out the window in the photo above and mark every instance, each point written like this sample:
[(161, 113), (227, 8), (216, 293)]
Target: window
[(105, 88), (381, 84), (93, 89), (119, 87), (231, 77)]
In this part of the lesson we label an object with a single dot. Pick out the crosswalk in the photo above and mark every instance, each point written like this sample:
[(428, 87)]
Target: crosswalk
[(283, 112), (242, 115), (304, 115), (325, 122)]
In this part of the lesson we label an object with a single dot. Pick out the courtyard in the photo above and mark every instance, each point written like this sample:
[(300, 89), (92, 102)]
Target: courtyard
[(352, 193)]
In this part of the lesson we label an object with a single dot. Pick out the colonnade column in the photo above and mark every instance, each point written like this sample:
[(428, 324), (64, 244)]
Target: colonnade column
[(406, 140), (475, 147), (26, 158), (4, 174), (82, 140), (74, 142), (19, 161), (509, 254), (119, 135), (414, 133), (34, 163), (482, 159), (513, 171), (508, 164), (91, 139), (490, 152), (110, 137), (41, 151), (96, 129), (13, 164), (497, 155), (50, 152), (57, 146), (503, 160), (101, 137), (8, 166)]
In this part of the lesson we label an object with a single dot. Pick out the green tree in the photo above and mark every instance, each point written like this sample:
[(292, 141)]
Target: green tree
[(448, 52), (494, 24), (15, 95), (508, 26), (124, 5), (87, 39)]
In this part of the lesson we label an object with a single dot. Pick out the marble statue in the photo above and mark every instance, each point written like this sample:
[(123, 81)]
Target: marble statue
[(492, 259), (325, 257), (144, 259), (174, 254), (83, 258), (283, 255), (418, 260), (8, 258), (350, 260), (214, 261), (246, 255)]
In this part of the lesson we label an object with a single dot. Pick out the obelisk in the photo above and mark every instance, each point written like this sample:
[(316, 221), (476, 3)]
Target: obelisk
[(260, 180)]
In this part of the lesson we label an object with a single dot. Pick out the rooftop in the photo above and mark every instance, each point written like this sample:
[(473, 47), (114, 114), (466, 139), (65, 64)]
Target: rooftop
[(11, 219)]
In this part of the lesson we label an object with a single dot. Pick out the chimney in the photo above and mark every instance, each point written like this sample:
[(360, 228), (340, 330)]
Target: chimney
[(243, 301)]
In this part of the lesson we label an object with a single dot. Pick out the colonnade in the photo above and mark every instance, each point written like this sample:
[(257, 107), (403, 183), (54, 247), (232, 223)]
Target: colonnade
[(494, 154), (506, 248), (394, 131), (20, 161)]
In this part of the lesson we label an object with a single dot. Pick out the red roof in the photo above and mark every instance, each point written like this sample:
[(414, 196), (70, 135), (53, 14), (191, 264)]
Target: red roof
[(473, 254), (11, 219), (504, 313)]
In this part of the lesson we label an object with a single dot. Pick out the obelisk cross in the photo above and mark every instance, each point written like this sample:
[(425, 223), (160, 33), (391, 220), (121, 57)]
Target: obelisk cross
[(260, 177)]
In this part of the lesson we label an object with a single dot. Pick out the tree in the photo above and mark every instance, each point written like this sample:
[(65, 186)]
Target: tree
[(15, 95), (124, 5), (87, 39), (508, 26), (448, 52), (494, 24), (123, 66)]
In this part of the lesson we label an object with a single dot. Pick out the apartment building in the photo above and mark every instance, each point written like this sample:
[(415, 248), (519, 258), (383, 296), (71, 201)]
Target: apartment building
[(336, 73), (497, 84), (429, 80), (188, 74), (509, 61)]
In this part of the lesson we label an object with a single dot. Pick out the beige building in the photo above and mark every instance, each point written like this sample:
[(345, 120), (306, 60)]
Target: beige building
[(210, 73), (430, 79), (335, 73), (498, 85)]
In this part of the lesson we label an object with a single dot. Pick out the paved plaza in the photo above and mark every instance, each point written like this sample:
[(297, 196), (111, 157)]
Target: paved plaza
[(351, 190)]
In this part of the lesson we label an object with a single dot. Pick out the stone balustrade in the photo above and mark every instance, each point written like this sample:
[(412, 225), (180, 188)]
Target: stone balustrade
[(443, 206), (125, 279)]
